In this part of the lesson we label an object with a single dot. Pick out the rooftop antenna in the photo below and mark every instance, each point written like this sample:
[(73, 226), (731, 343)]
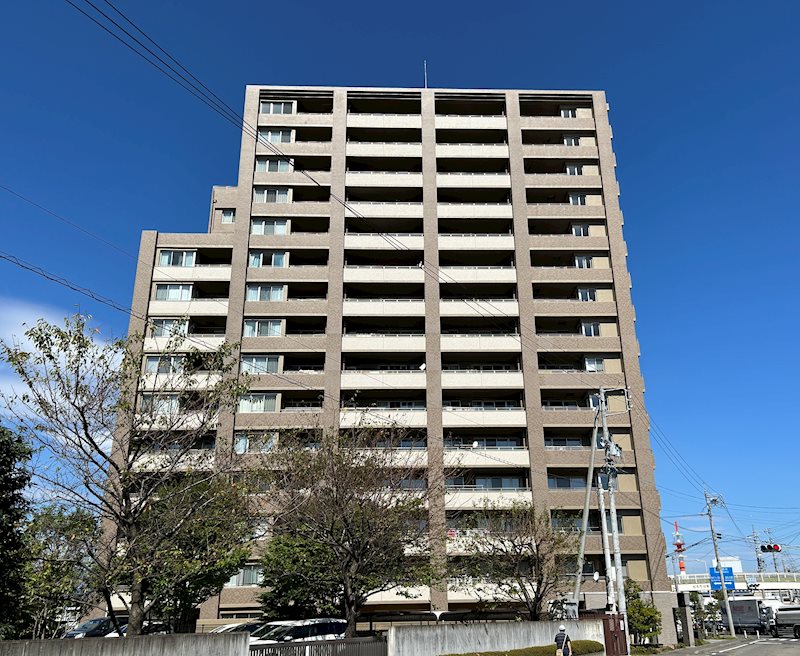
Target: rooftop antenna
[(425, 71)]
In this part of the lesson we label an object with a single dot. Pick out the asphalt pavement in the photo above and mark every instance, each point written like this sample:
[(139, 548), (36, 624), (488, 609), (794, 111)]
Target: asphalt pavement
[(742, 647)]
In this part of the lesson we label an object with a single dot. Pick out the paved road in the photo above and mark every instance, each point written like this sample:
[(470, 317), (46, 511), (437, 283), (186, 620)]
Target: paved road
[(763, 647)]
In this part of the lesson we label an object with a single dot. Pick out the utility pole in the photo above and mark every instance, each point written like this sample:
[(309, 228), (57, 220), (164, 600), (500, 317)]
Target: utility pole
[(709, 502), (585, 521), (759, 559), (601, 504)]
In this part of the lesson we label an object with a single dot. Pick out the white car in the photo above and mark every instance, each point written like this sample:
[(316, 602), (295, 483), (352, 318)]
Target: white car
[(269, 626), (323, 628)]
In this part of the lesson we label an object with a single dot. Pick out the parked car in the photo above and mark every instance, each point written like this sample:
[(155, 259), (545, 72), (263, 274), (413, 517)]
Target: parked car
[(224, 628), (249, 627), (95, 628), (266, 628), (323, 628), (148, 628)]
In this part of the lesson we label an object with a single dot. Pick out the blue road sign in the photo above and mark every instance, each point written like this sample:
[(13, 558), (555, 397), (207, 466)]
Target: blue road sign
[(727, 575)]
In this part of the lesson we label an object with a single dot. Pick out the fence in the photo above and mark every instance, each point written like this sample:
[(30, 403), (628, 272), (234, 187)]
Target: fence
[(349, 647), (222, 644)]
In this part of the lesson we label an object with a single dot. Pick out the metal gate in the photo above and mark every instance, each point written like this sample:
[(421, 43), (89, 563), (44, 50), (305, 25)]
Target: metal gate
[(614, 634), (348, 647)]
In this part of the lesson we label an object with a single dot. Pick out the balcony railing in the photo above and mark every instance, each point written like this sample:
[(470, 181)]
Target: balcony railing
[(480, 488)]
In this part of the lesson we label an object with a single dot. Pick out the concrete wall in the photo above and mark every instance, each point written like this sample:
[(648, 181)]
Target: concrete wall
[(461, 639), (225, 644)]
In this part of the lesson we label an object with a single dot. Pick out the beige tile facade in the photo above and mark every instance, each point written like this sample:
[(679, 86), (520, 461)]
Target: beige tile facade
[(482, 237)]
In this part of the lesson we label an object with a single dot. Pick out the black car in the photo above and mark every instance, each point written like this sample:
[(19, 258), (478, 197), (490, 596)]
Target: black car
[(95, 628)]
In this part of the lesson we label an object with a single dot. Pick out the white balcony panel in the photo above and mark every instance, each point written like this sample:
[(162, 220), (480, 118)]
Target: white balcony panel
[(384, 121), (494, 458), (383, 308), (373, 417), (420, 595), (470, 180), (192, 273), (476, 242), (384, 240), (477, 274), (554, 181), (464, 418), (472, 150), (481, 379), (470, 122), (378, 149), (383, 274), (209, 306), (469, 499), (474, 211), (382, 179), (199, 342), (556, 123), (477, 343), (383, 342), (383, 379), (471, 308), (392, 210)]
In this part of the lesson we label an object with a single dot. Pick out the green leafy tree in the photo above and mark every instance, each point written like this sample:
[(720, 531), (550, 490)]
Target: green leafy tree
[(361, 500), (644, 619), (58, 542), (515, 556), (299, 579), (129, 439), (14, 478)]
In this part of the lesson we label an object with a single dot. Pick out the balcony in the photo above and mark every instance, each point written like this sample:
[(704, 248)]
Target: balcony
[(206, 306), (548, 341), (375, 416), (388, 307), (451, 307), (562, 181), (383, 179), (470, 122), (481, 378), (478, 457), (199, 341), (377, 120), (473, 179), (382, 379), (472, 150), (365, 273), (480, 342), (462, 274), (311, 119), (384, 209), (383, 342), (476, 241), (470, 417), (559, 123), (568, 241), (474, 210), (570, 274), (468, 498), (384, 240), (384, 149), (296, 148), (560, 151), (220, 272)]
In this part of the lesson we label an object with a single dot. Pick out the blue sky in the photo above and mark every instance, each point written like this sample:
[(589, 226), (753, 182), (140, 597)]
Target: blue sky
[(704, 100)]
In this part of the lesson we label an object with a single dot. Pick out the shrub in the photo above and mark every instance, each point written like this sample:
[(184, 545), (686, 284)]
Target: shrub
[(578, 647)]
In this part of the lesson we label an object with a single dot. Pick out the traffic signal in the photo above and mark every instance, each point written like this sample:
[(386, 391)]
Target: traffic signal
[(770, 548)]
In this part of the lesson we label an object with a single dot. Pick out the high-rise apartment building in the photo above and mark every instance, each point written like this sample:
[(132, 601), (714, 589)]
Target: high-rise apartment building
[(452, 259)]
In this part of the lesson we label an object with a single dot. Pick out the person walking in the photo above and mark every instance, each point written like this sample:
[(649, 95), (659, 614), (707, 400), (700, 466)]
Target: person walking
[(563, 643)]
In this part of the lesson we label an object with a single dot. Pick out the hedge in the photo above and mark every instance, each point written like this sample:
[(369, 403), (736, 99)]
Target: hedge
[(578, 647)]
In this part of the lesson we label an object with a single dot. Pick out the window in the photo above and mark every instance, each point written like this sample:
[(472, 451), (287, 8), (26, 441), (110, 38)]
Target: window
[(499, 482), (262, 328), (271, 195), (248, 575), (593, 401), (173, 292), (258, 292), (163, 364), (569, 112), (168, 327), (594, 365), (273, 107), (159, 404), (577, 198), (572, 140), (228, 216), (569, 482), (275, 135), (590, 328), (583, 261), (272, 165), (275, 259), (269, 227), (259, 364), (254, 442), (574, 169), (580, 229), (176, 258), (258, 403), (587, 294), (564, 442)]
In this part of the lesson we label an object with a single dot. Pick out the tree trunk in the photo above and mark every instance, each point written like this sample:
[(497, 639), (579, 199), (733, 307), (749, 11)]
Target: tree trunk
[(350, 614), (136, 617)]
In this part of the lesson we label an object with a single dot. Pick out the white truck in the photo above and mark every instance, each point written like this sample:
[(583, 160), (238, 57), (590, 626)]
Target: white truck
[(786, 621), (748, 615)]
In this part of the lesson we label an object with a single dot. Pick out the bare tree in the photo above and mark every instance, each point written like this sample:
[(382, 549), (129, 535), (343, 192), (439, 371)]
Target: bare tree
[(130, 438), (359, 497), (514, 555)]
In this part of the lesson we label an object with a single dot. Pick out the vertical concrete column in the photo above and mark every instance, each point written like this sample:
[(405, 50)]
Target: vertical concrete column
[(645, 465), (527, 321), (433, 356), (333, 338), (241, 243)]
